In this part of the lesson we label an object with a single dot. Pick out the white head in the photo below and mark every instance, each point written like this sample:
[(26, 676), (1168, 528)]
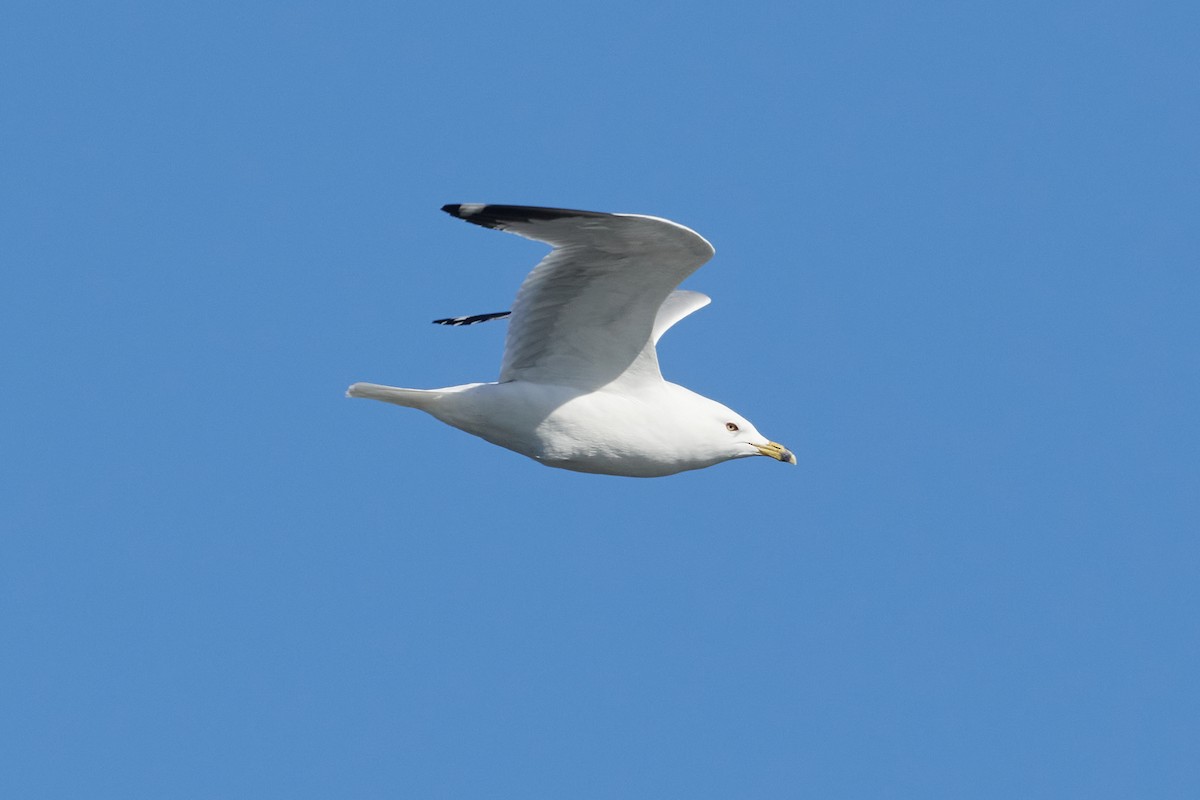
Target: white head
[(734, 435), (712, 433)]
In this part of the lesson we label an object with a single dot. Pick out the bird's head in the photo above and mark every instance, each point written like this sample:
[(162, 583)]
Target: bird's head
[(733, 436)]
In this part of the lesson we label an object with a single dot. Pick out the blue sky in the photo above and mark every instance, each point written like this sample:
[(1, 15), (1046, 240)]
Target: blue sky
[(956, 272)]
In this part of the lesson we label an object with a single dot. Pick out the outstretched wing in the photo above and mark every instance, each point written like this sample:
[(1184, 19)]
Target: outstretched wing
[(585, 316)]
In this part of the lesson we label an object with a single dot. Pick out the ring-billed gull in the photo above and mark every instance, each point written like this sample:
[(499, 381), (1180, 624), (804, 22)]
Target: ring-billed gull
[(579, 386)]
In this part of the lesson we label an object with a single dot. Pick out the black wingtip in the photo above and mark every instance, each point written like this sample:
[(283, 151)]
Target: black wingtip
[(477, 213), (468, 210), (471, 320), (497, 216)]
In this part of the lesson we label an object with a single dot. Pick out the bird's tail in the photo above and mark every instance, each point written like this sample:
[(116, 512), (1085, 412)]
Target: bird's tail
[(411, 398)]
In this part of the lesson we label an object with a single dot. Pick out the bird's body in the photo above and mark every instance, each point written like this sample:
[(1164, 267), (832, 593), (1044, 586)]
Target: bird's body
[(562, 426), (580, 387)]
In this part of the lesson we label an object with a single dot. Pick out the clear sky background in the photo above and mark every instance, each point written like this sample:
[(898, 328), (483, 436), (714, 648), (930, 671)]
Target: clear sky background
[(957, 271)]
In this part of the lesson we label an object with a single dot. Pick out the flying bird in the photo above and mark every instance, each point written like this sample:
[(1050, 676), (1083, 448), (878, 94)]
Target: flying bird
[(579, 385)]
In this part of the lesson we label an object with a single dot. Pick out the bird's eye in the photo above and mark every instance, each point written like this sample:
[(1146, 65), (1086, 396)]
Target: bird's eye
[(729, 426)]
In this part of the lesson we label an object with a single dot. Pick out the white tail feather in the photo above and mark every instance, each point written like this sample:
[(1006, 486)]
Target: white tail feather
[(410, 398)]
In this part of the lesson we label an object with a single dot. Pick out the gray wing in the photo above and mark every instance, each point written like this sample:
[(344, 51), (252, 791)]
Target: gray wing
[(586, 315)]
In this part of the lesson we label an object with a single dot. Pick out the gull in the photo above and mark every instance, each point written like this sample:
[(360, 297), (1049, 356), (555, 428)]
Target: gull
[(580, 387)]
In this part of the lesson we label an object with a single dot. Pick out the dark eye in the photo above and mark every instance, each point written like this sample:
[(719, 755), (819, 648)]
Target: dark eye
[(729, 426)]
